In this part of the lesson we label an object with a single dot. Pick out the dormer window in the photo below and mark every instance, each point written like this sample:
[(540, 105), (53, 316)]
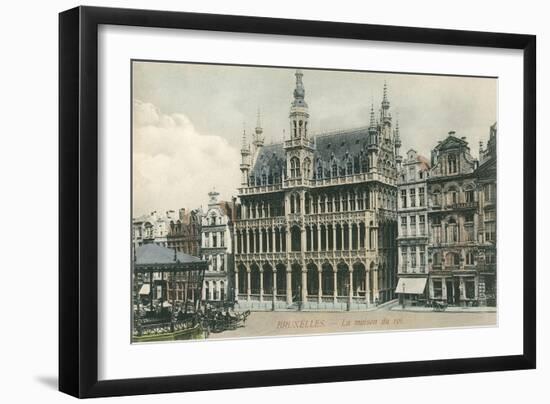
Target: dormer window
[(451, 164)]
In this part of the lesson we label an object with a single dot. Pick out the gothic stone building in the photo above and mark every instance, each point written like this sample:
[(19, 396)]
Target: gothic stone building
[(317, 224)]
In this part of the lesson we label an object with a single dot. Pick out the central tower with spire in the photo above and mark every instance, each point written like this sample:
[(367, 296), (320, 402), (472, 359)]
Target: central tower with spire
[(299, 148)]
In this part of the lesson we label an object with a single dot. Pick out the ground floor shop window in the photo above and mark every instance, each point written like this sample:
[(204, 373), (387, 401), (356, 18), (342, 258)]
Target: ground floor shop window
[(470, 289), (438, 290)]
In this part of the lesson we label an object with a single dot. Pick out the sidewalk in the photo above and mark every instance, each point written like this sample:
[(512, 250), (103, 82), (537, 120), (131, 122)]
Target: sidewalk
[(449, 309)]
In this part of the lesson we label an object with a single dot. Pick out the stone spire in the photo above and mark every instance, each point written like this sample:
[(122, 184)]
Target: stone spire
[(245, 160), (397, 145), (244, 147), (397, 137), (385, 115), (258, 133), (372, 120)]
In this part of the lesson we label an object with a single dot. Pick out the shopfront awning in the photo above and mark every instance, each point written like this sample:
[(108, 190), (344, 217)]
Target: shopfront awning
[(414, 286), (145, 289)]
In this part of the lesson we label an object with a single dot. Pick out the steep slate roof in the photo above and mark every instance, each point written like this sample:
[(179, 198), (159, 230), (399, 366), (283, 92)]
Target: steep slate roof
[(337, 144), (148, 254), (272, 157)]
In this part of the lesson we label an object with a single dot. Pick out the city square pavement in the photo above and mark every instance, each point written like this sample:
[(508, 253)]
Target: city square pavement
[(261, 324)]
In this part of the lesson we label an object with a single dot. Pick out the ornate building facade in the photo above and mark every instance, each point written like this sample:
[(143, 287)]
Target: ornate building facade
[(454, 216), (413, 234), (317, 221), (152, 228), (216, 248), (487, 236), (185, 232)]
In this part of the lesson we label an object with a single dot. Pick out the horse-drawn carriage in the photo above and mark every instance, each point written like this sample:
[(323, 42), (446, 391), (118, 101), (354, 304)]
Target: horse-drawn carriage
[(218, 319)]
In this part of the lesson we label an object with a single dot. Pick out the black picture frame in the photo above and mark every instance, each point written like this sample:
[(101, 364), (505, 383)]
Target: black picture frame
[(78, 200)]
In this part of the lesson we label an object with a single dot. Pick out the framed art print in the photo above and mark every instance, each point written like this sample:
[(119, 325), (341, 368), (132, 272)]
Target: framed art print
[(265, 201)]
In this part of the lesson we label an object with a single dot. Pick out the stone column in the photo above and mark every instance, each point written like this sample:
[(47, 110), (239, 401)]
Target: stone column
[(248, 291), (288, 286), (367, 286), (288, 245), (320, 283), (375, 283), (350, 297), (311, 237), (236, 288), (318, 237), (273, 239), (274, 293), (461, 291), (327, 237), (304, 285), (261, 284), (303, 242), (350, 238), (335, 280), (261, 239), (444, 288), (334, 237)]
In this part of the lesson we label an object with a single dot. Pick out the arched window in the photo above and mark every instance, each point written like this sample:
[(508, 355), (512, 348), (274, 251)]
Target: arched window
[(436, 259), (452, 231), (436, 197), (334, 172), (469, 195), (307, 168), (294, 167), (365, 164), (349, 168), (469, 258), (452, 259), (452, 196)]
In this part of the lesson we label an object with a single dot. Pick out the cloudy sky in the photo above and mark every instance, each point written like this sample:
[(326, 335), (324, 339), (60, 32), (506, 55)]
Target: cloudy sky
[(188, 119)]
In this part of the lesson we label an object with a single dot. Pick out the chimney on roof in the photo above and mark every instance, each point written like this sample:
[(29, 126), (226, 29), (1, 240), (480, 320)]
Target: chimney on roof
[(452, 133), (463, 138)]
